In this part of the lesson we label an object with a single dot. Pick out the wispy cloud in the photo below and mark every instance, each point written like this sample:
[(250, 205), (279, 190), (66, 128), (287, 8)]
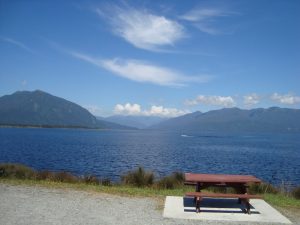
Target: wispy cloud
[(288, 99), (225, 101), (203, 14), (24, 83), (136, 109), (94, 109), (141, 71), (205, 19), (143, 29), (18, 44), (251, 99)]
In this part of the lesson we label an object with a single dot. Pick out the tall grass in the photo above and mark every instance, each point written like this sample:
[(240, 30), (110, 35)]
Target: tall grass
[(9, 170), (138, 178), (173, 181)]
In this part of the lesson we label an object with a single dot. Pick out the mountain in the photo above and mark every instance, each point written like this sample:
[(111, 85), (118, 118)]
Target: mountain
[(140, 122), (39, 108), (236, 120)]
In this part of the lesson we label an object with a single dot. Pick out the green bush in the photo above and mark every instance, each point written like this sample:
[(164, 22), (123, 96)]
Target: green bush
[(219, 189), (106, 182), (45, 175), (296, 192), (138, 177), (262, 189), (170, 182), (90, 179), (9, 170), (65, 177)]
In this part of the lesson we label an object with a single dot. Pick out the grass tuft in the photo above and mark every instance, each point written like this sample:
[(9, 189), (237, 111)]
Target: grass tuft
[(138, 178), (10, 170), (171, 182), (296, 193), (262, 189)]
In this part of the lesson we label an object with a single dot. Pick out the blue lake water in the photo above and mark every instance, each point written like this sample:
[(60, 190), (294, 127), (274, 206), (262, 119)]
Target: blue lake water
[(271, 157)]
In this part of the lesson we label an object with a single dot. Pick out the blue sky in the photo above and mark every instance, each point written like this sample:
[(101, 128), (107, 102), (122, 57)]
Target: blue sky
[(163, 58)]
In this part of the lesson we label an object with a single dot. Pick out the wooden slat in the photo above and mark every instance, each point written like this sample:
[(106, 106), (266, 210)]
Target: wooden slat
[(220, 178), (221, 195)]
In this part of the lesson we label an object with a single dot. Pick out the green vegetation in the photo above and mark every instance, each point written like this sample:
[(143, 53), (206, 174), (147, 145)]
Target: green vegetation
[(134, 183), (138, 178), (173, 181), (262, 188), (296, 192)]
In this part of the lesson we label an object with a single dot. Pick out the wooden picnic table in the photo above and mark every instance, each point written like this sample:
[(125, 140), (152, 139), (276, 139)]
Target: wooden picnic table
[(238, 182)]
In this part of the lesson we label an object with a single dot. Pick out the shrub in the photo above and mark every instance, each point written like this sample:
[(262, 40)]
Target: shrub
[(296, 192), (172, 181), (90, 179), (65, 177), (106, 182), (220, 189), (45, 175), (138, 178), (18, 171), (262, 188)]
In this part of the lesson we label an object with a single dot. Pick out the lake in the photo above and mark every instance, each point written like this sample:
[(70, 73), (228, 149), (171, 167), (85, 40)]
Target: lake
[(272, 157)]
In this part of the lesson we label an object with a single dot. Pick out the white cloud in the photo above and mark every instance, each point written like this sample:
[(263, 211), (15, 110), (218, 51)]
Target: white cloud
[(251, 99), (135, 109), (288, 99), (141, 71), (128, 109), (94, 109), (143, 29), (205, 18), (225, 101), (18, 44), (24, 83), (202, 14)]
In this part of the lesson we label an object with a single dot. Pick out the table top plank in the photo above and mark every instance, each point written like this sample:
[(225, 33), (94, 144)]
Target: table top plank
[(220, 178)]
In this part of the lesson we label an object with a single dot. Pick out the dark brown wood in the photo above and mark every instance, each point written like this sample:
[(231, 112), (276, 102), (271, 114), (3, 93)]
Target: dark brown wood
[(220, 178), (198, 196), (222, 195), (239, 182)]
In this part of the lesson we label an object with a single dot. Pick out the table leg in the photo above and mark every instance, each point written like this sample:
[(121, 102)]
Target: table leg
[(241, 189), (198, 189)]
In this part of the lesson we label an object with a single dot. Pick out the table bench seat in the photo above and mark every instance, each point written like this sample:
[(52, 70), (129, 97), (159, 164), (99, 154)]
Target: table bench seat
[(243, 197)]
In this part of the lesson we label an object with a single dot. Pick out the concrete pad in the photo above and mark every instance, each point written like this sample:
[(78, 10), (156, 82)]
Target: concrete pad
[(221, 209)]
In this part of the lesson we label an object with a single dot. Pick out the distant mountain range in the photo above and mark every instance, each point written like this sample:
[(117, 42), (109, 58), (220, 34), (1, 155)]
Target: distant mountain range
[(140, 122), (38, 108), (236, 120)]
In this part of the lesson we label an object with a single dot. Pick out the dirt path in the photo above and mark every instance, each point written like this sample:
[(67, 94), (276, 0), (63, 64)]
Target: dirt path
[(39, 206)]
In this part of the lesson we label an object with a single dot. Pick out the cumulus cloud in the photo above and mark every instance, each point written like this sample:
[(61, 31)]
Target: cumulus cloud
[(288, 99), (225, 101), (142, 29), (135, 109), (128, 109), (141, 71), (251, 99)]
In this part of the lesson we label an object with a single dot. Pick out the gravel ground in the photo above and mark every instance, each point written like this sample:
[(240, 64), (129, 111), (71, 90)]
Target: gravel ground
[(41, 206)]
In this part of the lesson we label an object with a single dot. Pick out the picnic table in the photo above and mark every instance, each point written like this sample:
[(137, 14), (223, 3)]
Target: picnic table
[(239, 182)]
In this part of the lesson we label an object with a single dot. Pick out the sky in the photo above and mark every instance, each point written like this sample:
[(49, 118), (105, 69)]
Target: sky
[(153, 58)]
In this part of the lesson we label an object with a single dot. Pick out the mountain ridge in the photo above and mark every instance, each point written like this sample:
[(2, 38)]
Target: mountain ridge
[(41, 109), (235, 119)]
